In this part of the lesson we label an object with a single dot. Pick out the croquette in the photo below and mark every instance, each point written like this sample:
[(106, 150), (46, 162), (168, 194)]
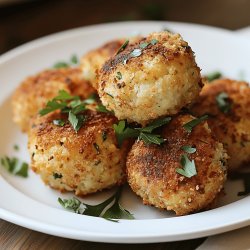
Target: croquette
[(230, 125), (35, 91), (84, 162), (150, 78), (93, 61), (152, 169)]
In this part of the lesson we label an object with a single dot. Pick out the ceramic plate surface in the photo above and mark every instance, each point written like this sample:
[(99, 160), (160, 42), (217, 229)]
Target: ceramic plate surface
[(29, 203)]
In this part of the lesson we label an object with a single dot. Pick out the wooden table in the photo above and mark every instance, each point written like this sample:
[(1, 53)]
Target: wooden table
[(16, 237), (27, 21)]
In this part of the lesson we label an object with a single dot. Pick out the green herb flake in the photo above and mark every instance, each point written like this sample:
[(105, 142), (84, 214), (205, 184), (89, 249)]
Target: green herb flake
[(102, 108), (136, 53), (188, 149), (151, 138), (97, 148), (114, 210), (190, 125), (119, 75), (74, 59), (60, 65), (144, 45), (57, 176), (59, 123), (122, 132), (154, 41), (188, 167), (76, 120), (14, 166), (213, 76), (156, 124), (223, 103), (104, 135), (122, 47), (16, 147)]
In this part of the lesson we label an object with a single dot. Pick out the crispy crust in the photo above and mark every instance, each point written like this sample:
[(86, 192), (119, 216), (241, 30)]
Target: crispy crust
[(152, 172), (161, 80), (35, 91), (92, 62), (87, 162), (233, 128)]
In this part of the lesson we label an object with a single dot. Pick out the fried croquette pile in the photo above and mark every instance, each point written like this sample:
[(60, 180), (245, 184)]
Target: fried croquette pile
[(135, 110)]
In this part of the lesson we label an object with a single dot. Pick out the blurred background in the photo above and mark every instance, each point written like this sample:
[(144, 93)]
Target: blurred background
[(22, 21)]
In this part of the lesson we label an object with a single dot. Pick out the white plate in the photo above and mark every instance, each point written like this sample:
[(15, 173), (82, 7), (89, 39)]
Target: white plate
[(29, 203)]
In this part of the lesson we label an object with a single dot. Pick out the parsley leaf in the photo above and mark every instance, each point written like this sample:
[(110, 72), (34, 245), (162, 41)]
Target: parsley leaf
[(188, 169), (156, 124), (52, 106), (76, 120), (188, 149), (14, 166), (102, 108), (62, 64), (144, 45), (16, 147), (223, 103), (154, 41), (151, 138), (122, 47), (122, 132), (119, 75), (115, 211), (213, 76), (74, 59), (57, 176), (191, 124), (64, 96)]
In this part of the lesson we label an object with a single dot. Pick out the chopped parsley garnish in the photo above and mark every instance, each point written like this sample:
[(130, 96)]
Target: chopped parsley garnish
[(188, 149), (104, 135), (188, 167), (223, 103), (154, 41), (74, 59), (76, 120), (119, 75), (124, 132), (57, 176), (144, 45), (16, 147), (135, 53), (73, 106), (62, 64), (59, 122), (14, 166), (190, 125), (109, 209), (102, 108), (213, 76), (122, 47)]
